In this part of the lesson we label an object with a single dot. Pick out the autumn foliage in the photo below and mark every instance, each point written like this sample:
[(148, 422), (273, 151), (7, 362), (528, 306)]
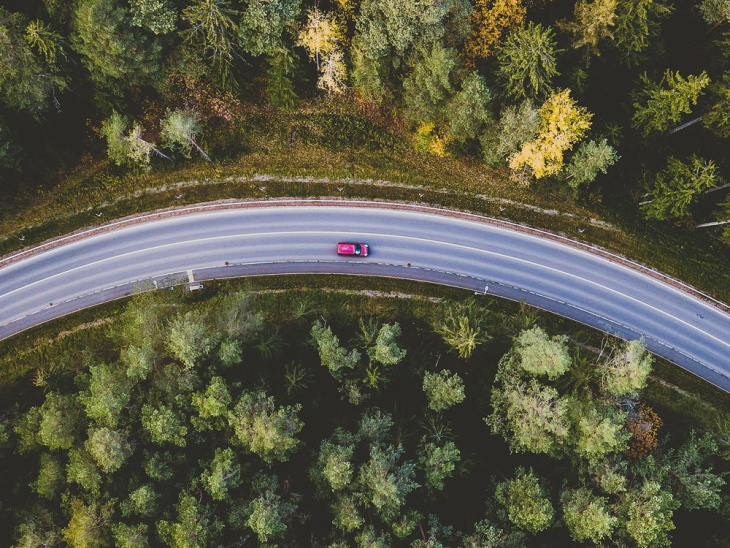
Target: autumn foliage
[(491, 20), (644, 425), (562, 124)]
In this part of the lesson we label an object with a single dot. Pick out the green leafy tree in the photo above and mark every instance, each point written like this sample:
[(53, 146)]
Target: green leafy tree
[(463, 327), (280, 78), (179, 130), (59, 415), (264, 429), (386, 481), (715, 12), (107, 395), (263, 22), (597, 430), (590, 158), (375, 425), (142, 501), (347, 514), (268, 514), (369, 75), (230, 353), (428, 88), (27, 428), (334, 469), (157, 16), (637, 23), (142, 322), (538, 354), (593, 21), (438, 462), (369, 537), (657, 106), (51, 477), (587, 516), (467, 113), (222, 474), (386, 349), (517, 125), (530, 416), (212, 29), (127, 149), (130, 535), (37, 528), (45, 40), (117, 54), (524, 502), (626, 370), (163, 425), (109, 448), (526, 61), (193, 528), (647, 513), (26, 83), (158, 466), (389, 25), (678, 186), (406, 524), (331, 354), (211, 405), (139, 360), (488, 535), (82, 469), (189, 338), (693, 482), (112, 129), (88, 524), (443, 389)]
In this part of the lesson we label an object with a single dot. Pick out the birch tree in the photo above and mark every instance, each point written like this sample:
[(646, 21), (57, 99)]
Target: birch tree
[(180, 129)]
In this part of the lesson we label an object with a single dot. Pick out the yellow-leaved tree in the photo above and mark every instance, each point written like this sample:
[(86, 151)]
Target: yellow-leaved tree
[(321, 34), (323, 37), (491, 19), (562, 124)]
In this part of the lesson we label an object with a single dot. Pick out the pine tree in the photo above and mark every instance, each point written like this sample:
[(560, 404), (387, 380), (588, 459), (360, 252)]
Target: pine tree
[(659, 105)]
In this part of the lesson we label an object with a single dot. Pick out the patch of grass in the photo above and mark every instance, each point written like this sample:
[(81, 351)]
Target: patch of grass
[(686, 397)]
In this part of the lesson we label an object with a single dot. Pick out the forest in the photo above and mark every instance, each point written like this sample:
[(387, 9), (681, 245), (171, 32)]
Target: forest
[(623, 105), (311, 419), (314, 418)]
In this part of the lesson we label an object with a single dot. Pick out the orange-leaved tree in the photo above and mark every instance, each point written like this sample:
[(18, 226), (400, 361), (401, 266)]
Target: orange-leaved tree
[(491, 19)]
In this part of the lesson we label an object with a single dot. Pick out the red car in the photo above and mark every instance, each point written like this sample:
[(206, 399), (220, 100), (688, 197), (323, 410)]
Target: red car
[(359, 250)]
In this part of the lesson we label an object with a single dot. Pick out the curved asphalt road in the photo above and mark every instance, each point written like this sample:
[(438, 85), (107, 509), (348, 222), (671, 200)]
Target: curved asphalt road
[(406, 244)]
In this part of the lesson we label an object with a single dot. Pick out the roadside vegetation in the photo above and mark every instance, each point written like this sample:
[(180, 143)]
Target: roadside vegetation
[(347, 417)]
